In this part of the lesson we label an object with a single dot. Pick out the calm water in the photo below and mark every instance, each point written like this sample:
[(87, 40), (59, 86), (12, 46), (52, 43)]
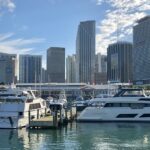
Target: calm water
[(80, 136)]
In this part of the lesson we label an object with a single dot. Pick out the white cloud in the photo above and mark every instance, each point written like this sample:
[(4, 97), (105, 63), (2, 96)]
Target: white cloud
[(17, 46), (120, 18), (7, 4)]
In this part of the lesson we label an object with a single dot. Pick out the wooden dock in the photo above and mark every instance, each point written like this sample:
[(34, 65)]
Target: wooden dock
[(49, 121)]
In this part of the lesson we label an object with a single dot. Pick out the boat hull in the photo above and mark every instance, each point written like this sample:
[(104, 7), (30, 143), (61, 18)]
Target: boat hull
[(95, 114), (13, 122)]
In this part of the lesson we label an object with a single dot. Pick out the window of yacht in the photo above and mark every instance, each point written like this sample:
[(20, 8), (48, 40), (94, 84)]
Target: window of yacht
[(34, 106), (126, 115), (9, 100), (137, 106), (133, 94), (145, 115)]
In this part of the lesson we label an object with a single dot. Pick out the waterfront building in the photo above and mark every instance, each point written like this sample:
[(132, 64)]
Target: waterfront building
[(85, 52), (71, 69), (141, 51), (8, 68), (56, 64), (30, 67), (72, 90), (119, 62)]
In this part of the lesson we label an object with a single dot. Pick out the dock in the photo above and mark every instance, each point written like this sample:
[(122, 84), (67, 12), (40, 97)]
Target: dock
[(54, 121)]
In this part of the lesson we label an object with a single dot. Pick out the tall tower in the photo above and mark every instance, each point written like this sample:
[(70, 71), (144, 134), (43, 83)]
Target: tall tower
[(85, 51), (141, 50), (30, 67), (119, 62), (56, 64)]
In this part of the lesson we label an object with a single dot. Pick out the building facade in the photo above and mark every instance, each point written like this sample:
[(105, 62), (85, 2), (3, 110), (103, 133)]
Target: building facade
[(44, 76), (56, 64), (119, 62), (30, 68), (85, 52), (141, 51), (8, 68), (71, 69)]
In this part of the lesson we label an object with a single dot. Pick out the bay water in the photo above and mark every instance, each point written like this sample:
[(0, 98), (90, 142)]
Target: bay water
[(79, 136)]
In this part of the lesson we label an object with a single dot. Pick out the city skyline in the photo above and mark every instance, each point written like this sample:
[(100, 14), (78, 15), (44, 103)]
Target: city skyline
[(42, 26)]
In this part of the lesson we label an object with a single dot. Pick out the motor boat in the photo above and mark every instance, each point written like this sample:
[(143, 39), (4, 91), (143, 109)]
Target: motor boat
[(129, 105)]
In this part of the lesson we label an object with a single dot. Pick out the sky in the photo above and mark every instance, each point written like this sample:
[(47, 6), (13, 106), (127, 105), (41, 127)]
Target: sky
[(32, 26)]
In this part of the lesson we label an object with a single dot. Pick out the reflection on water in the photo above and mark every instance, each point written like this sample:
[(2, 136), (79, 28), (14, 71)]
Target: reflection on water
[(93, 136)]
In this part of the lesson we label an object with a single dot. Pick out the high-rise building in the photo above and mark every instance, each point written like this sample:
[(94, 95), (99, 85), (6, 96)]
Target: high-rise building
[(30, 67), (56, 64), (100, 69), (71, 69), (8, 68), (85, 52), (141, 50), (119, 62)]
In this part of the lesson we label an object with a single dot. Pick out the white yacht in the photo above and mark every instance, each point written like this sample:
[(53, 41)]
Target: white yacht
[(127, 105), (15, 105)]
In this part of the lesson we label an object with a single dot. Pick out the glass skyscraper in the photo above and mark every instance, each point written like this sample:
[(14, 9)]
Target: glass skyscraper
[(141, 50), (85, 52), (119, 62), (30, 67), (56, 64)]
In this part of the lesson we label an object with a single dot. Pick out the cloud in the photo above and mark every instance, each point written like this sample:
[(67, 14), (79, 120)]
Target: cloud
[(7, 4), (119, 20), (17, 46)]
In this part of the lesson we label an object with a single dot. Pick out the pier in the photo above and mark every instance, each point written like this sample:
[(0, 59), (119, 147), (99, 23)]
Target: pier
[(52, 121)]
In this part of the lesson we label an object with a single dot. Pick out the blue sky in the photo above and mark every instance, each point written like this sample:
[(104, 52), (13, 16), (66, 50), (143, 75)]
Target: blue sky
[(32, 26)]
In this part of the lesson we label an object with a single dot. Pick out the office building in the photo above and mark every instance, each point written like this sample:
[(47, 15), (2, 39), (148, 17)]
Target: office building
[(71, 69), (8, 68), (119, 62), (85, 52), (141, 51), (30, 67), (56, 64)]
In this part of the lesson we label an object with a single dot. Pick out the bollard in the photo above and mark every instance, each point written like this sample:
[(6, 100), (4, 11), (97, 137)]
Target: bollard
[(37, 113), (29, 113)]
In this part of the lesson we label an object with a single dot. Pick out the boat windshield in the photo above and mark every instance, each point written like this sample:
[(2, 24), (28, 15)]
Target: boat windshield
[(130, 93)]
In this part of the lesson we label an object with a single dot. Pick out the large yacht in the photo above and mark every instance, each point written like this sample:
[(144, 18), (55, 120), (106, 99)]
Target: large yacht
[(127, 105), (15, 105)]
